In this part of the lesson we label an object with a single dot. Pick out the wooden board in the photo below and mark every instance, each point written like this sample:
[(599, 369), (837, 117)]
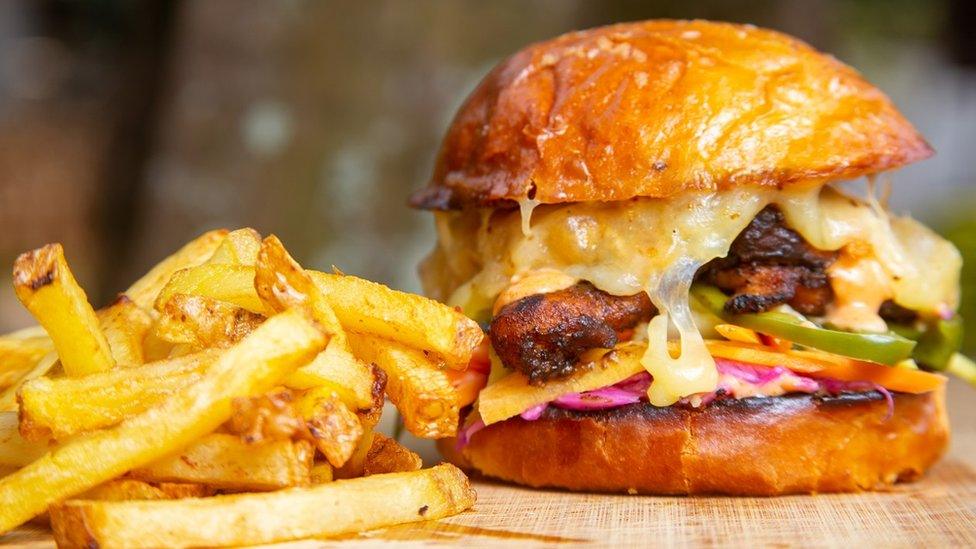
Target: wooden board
[(938, 511)]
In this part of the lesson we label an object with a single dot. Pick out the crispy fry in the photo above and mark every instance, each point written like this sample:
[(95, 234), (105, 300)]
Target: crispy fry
[(340, 371), (201, 322), (352, 506), (335, 430), (126, 489), (386, 455), (8, 398), (353, 468), (47, 288), (125, 326), (271, 416), (367, 307), (197, 251), (281, 283), (420, 389), (240, 247), (252, 366), (225, 462), (18, 355), (223, 282), (15, 451), (322, 472), (65, 406)]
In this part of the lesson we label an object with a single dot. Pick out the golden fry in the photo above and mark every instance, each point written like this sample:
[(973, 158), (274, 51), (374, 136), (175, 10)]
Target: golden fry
[(252, 366), (197, 251), (370, 308), (282, 283), (420, 389), (8, 398), (245, 519), (125, 326), (240, 247), (61, 407), (322, 473), (335, 430), (223, 282), (127, 489), (386, 455), (200, 322), (225, 462), (15, 451), (47, 288), (18, 355)]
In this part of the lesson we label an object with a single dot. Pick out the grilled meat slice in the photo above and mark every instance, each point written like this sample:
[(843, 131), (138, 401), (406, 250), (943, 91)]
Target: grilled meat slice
[(543, 335), (769, 264)]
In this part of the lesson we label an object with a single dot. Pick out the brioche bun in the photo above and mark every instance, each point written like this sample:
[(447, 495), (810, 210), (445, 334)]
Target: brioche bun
[(659, 108), (750, 447)]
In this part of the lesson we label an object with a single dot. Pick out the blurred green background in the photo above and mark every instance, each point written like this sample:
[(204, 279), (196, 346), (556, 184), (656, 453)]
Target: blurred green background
[(128, 127)]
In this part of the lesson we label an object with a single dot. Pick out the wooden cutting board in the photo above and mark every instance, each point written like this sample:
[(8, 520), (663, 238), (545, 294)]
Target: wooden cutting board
[(937, 511)]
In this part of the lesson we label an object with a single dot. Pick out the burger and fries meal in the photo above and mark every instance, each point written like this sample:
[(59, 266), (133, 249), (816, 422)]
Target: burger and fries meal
[(655, 283), (228, 397)]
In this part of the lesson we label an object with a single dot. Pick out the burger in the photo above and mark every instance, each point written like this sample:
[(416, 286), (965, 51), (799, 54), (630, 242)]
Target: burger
[(684, 285)]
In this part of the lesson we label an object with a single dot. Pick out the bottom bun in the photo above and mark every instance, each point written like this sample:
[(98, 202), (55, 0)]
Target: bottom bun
[(750, 447)]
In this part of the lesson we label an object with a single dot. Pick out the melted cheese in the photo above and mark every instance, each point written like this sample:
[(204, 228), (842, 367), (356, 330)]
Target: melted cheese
[(657, 245)]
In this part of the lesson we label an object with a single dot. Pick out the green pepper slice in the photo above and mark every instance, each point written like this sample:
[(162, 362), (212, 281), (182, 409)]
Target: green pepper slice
[(887, 348), (937, 344)]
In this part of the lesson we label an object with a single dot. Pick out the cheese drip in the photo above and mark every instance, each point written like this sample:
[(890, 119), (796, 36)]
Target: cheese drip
[(656, 246)]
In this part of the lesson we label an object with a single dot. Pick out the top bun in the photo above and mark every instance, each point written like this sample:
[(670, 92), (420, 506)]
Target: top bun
[(659, 108)]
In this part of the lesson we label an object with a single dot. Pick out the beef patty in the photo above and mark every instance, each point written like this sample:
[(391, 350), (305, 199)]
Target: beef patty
[(769, 264), (543, 335)]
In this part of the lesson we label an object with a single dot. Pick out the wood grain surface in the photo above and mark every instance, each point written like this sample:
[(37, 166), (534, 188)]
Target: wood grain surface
[(937, 511)]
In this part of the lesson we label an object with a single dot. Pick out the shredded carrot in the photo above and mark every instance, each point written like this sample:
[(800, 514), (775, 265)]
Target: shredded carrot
[(828, 365)]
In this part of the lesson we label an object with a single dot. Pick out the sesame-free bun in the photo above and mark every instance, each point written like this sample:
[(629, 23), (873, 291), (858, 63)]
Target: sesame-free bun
[(658, 108), (750, 447)]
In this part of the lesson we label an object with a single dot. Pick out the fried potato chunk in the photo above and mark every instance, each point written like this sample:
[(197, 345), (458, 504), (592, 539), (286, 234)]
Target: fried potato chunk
[(47, 288)]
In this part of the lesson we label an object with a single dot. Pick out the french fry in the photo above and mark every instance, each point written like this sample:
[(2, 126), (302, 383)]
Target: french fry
[(14, 450), (251, 367), (239, 247), (18, 355), (386, 455), (243, 519), (340, 371), (271, 416), (353, 468), (62, 407), (223, 282), (225, 462), (8, 469), (8, 398), (367, 307), (201, 322), (127, 489), (144, 291), (420, 389), (281, 283), (47, 288), (322, 472), (125, 326), (335, 430)]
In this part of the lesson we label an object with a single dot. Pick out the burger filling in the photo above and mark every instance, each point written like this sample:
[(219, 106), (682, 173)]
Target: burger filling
[(724, 295)]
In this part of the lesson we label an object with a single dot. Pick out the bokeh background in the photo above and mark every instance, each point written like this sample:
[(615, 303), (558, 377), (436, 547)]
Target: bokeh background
[(128, 127)]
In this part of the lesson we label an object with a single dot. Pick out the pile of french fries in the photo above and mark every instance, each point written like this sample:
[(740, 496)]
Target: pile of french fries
[(228, 397)]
